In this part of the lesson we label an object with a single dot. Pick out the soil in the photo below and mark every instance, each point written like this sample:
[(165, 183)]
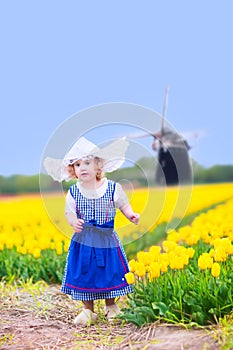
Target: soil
[(42, 319)]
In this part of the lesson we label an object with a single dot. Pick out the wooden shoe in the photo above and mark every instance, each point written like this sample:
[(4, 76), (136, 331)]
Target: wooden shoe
[(112, 311), (86, 317)]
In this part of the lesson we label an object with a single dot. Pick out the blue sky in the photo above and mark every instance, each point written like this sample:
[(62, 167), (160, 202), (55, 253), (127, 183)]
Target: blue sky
[(59, 58)]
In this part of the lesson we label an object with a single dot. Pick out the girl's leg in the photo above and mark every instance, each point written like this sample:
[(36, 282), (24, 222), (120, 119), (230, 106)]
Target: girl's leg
[(89, 305), (109, 301)]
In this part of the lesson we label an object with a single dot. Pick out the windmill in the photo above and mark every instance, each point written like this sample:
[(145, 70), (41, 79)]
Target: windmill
[(173, 162)]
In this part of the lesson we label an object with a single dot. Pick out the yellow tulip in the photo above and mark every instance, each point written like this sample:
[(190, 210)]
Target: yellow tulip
[(169, 246), (220, 254), (154, 270), (155, 250), (190, 252), (132, 265), (205, 261), (140, 269), (212, 252), (130, 278), (177, 263), (36, 253), (164, 266), (185, 259), (164, 262), (9, 243), (59, 249), (144, 257), (215, 270)]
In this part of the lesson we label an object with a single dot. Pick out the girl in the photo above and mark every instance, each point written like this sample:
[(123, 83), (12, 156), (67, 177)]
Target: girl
[(96, 262)]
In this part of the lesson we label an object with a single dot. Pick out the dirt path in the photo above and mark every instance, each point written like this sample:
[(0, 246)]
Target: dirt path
[(43, 319)]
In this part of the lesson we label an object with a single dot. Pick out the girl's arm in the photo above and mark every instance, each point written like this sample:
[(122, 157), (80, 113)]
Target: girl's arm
[(76, 223), (121, 202), (129, 214), (70, 213)]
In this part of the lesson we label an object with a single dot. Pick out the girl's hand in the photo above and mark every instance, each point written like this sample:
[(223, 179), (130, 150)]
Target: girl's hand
[(131, 216), (77, 225), (135, 217)]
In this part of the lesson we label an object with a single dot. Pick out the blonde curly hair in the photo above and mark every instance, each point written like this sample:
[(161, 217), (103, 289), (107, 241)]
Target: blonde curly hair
[(98, 163)]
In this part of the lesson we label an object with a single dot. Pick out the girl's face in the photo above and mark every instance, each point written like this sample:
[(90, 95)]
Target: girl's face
[(85, 170)]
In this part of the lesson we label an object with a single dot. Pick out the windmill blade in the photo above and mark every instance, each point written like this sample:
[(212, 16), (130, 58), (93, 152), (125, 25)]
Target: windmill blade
[(164, 109), (193, 134), (139, 136)]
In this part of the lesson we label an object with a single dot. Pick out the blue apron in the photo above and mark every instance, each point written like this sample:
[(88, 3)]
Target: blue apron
[(95, 261)]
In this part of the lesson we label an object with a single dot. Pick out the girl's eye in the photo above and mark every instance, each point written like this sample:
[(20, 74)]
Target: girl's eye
[(77, 165)]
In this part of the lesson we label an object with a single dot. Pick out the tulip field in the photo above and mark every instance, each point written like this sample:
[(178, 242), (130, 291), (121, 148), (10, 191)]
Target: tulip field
[(185, 276), (189, 277)]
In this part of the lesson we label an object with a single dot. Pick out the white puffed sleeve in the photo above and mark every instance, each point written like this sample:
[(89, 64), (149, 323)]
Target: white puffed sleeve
[(120, 197), (70, 206)]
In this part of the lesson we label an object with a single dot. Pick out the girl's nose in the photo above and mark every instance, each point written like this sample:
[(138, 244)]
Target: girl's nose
[(82, 165)]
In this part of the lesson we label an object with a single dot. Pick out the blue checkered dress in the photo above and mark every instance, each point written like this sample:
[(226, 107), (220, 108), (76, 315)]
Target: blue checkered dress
[(96, 262)]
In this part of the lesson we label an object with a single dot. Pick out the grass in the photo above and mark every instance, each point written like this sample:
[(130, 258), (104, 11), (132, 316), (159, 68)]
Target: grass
[(224, 332)]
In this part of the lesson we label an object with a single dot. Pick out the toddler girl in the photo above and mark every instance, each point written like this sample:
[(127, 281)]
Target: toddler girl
[(96, 262)]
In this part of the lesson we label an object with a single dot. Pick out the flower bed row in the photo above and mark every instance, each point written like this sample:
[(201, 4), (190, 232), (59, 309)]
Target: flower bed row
[(189, 279)]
